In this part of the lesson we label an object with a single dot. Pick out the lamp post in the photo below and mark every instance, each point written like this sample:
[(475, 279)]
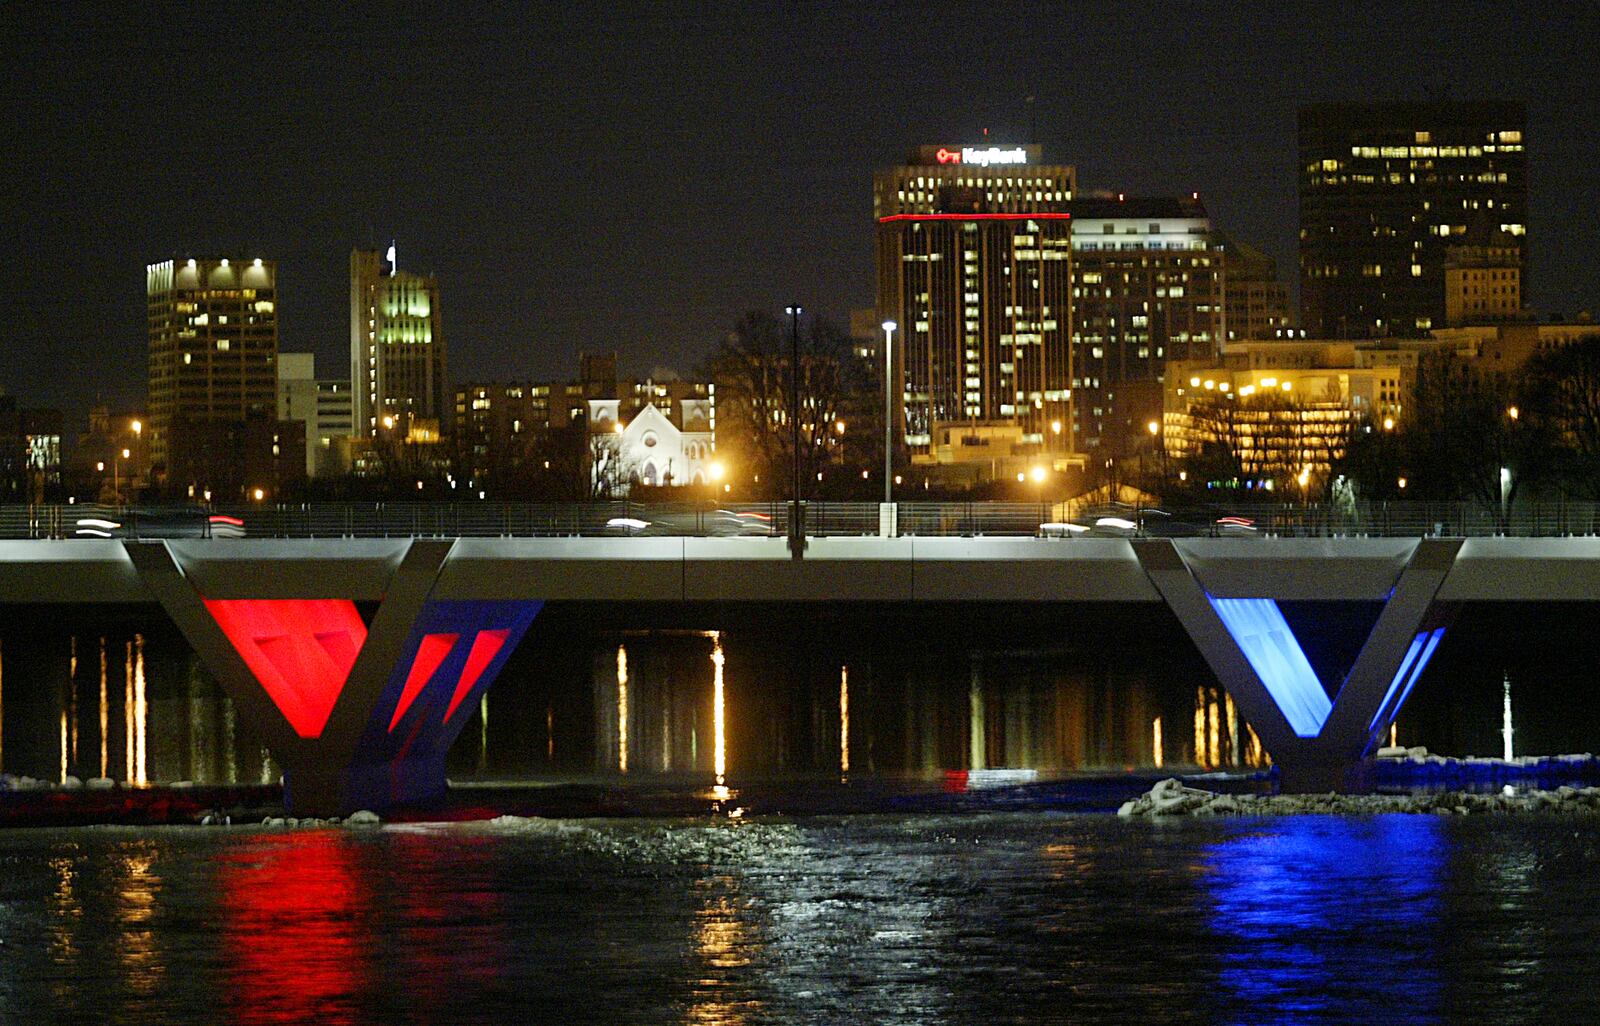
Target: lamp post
[(888, 411), (797, 542)]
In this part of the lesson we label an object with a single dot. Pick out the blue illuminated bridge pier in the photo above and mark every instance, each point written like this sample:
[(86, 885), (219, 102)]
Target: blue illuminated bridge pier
[(360, 711)]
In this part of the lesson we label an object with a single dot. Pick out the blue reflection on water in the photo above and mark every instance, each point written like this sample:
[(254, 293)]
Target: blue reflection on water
[(1329, 918)]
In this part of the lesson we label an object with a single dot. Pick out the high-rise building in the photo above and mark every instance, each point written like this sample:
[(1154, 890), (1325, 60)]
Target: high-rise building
[(397, 354), (1385, 190), (1147, 289), (974, 262), (1255, 302), (213, 327)]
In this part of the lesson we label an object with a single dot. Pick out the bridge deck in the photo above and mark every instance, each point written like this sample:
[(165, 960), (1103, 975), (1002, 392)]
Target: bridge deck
[(842, 569)]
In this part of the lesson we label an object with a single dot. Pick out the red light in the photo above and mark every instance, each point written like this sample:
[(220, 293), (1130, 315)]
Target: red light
[(484, 649), (975, 217), (218, 518), (945, 156), (295, 918), (300, 651), (429, 655)]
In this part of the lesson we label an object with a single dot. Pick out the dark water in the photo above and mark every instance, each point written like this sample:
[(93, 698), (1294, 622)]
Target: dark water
[(1002, 917)]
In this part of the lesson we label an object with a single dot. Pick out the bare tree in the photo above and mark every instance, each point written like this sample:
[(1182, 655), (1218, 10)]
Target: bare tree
[(754, 371), (1559, 399)]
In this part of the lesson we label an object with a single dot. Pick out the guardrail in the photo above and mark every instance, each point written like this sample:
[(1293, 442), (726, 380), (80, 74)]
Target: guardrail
[(822, 519)]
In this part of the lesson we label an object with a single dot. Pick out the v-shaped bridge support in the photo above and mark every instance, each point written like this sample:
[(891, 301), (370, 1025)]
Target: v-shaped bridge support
[(359, 715), (1317, 742)]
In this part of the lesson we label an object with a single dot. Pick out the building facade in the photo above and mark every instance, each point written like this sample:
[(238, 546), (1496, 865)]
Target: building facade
[(1482, 284), (507, 432), (397, 351), (1385, 191), (974, 266), (1255, 302), (213, 331), (30, 452), (1283, 411), (648, 448), (324, 406), (1147, 289)]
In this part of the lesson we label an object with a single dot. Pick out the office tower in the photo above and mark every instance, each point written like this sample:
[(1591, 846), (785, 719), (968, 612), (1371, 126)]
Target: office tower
[(213, 327), (1386, 189), (397, 354), (1147, 289), (974, 261)]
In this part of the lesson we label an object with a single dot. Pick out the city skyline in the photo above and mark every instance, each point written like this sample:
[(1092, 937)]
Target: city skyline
[(559, 215)]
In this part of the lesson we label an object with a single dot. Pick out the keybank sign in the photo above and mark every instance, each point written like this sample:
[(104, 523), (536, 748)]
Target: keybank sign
[(983, 157)]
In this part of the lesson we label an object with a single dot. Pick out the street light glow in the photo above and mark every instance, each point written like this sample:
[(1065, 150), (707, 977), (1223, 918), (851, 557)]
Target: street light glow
[(1153, 428), (1038, 474)]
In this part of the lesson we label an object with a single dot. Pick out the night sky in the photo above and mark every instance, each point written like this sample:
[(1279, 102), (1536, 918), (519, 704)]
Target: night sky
[(632, 177)]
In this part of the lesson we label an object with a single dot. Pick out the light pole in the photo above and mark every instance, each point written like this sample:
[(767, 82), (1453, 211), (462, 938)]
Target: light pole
[(888, 411), (797, 542)]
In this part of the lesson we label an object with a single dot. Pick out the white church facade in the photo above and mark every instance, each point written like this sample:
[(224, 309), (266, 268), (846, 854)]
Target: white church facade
[(650, 449)]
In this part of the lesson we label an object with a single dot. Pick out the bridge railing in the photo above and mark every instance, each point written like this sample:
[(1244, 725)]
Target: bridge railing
[(487, 519)]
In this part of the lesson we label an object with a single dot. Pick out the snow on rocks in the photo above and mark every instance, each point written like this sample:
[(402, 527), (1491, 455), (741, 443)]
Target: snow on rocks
[(1171, 798)]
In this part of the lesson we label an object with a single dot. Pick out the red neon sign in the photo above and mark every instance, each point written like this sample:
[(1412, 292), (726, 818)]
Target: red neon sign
[(945, 156)]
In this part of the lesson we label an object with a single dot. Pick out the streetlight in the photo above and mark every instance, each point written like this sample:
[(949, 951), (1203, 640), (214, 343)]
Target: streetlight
[(888, 410), (796, 528)]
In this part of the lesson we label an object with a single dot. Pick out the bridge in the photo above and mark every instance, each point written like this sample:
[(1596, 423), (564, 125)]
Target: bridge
[(361, 714)]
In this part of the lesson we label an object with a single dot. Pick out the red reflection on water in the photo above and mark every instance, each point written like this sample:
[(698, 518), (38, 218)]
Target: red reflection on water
[(297, 929)]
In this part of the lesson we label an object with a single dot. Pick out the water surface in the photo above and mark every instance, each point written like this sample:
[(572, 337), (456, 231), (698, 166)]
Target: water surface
[(1000, 917)]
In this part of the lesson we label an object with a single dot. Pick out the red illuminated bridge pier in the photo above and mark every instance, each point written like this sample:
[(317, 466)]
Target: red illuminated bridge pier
[(360, 712)]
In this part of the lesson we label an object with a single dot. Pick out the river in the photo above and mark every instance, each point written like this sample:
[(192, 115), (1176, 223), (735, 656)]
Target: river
[(889, 917)]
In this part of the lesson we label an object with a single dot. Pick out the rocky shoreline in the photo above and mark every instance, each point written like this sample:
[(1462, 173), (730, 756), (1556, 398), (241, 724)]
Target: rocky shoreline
[(1171, 797)]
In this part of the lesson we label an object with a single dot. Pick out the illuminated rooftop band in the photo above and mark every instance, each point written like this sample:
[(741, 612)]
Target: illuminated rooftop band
[(1052, 216)]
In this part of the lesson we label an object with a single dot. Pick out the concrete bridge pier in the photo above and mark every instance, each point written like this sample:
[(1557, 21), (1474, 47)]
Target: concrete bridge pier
[(1318, 743), (360, 715)]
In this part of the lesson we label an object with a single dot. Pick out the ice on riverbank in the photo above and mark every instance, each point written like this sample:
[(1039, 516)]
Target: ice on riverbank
[(1171, 797)]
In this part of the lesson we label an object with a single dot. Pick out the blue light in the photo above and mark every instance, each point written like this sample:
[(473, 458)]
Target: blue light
[(1399, 676), (1324, 918), (1416, 671), (1263, 635)]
